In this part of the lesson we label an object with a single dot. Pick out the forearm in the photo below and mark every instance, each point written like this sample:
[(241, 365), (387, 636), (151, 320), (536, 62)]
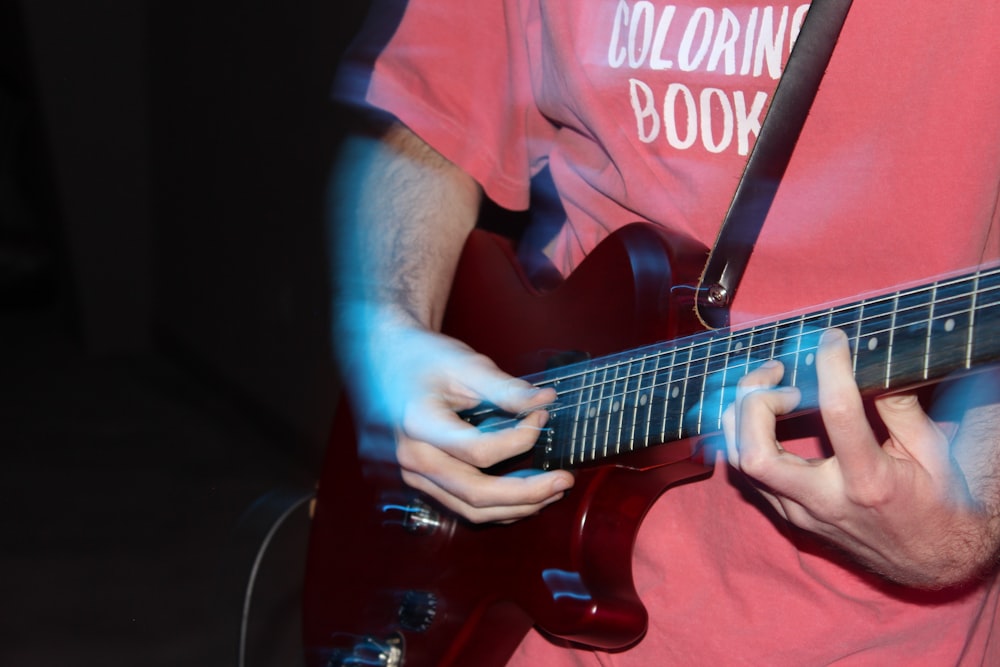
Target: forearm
[(399, 218), (976, 448), (908, 502)]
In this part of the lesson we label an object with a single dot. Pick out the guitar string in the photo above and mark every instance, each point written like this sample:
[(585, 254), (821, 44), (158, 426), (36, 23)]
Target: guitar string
[(708, 338), (611, 376), (777, 345), (689, 353), (609, 425), (616, 418), (705, 341), (607, 415)]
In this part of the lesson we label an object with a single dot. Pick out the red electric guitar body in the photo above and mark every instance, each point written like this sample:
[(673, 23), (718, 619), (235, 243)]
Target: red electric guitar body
[(392, 579)]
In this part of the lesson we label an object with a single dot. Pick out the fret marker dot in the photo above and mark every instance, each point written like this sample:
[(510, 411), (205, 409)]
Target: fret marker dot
[(675, 392), (614, 406), (592, 412), (643, 399), (810, 358), (738, 346), (949, 325), (872, 344)]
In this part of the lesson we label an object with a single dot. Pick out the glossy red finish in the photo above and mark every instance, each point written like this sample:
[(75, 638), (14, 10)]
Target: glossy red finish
[(567, 570)]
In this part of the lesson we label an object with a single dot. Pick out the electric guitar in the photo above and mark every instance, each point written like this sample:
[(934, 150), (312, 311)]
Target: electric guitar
[(393, 579)]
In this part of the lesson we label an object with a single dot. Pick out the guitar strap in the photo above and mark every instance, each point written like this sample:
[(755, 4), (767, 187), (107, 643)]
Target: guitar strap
[(769, 158)]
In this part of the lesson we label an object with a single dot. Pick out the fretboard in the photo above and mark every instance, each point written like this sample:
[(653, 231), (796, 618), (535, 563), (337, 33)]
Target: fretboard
[(680, 389)]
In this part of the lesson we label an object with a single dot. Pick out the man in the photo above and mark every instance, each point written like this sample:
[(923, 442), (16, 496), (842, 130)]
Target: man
[(846, 547)]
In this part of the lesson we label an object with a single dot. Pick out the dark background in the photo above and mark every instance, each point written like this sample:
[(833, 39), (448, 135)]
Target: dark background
[(163, 313)]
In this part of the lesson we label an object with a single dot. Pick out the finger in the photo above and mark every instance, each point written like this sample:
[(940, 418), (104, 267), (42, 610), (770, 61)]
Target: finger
[(758, 449), (432, 422), (913, 434), (473, 494), (768, 375), (484, 381), (729, 433), (500, 513), (858, 451)]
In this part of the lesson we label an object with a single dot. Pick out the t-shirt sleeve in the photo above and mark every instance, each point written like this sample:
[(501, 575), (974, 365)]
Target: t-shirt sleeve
[(458, 75)]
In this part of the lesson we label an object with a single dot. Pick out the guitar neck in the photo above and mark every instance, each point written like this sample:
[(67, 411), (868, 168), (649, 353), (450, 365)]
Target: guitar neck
[(672, 391)]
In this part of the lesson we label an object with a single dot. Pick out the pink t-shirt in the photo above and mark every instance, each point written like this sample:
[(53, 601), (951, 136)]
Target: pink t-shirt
[(646, 111)]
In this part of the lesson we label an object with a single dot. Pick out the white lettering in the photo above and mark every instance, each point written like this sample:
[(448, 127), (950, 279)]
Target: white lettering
[(645, 111), (658, 62), (616, 52), (748, 42), (747, 122), (687, 62), (670, 116), (642, 13), (712, 116), (797, 19), (751, 34), (643, 36), (713, 145), (769, 44), (725, 43)]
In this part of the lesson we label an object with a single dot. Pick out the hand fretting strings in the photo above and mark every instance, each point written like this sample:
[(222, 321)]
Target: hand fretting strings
[(674, 390)]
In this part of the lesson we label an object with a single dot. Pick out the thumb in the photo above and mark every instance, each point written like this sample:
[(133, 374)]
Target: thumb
[(509, 393), (912, 432)]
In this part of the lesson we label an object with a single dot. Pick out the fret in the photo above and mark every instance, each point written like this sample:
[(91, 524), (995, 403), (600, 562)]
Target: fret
[(763, 345), (588, 409), (575, 431), (663, 366), (910, 332), (555, 455), (643, 414), (740, 348), (616, 409), (848, 319), (677, 390), (970, 333), (928, 334), (713, 400), (751, 347), (599, 413), (694, 390), (630, 402), (949, 328), (734, 366), (892, 341), (788, 347), (986, 326), (811, 328), (871, 354), (792, 333), (673, 404)]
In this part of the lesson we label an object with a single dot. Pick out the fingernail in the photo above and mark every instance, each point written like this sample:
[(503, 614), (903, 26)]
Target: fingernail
[(561, 484), (832, 337)]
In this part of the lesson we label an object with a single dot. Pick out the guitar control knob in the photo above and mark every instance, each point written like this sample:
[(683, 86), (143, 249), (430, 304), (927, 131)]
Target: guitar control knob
[(370, 652), (412, 514), (417, 610), (420, 518)]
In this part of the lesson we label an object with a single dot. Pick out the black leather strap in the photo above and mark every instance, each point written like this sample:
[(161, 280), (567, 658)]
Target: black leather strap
[(769, 159)]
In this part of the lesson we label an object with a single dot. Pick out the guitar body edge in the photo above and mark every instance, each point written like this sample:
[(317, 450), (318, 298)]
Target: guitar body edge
[(459, 594)]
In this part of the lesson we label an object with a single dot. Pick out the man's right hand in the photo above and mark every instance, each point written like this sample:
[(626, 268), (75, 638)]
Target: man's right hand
[(418, 381), (400, 215)]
